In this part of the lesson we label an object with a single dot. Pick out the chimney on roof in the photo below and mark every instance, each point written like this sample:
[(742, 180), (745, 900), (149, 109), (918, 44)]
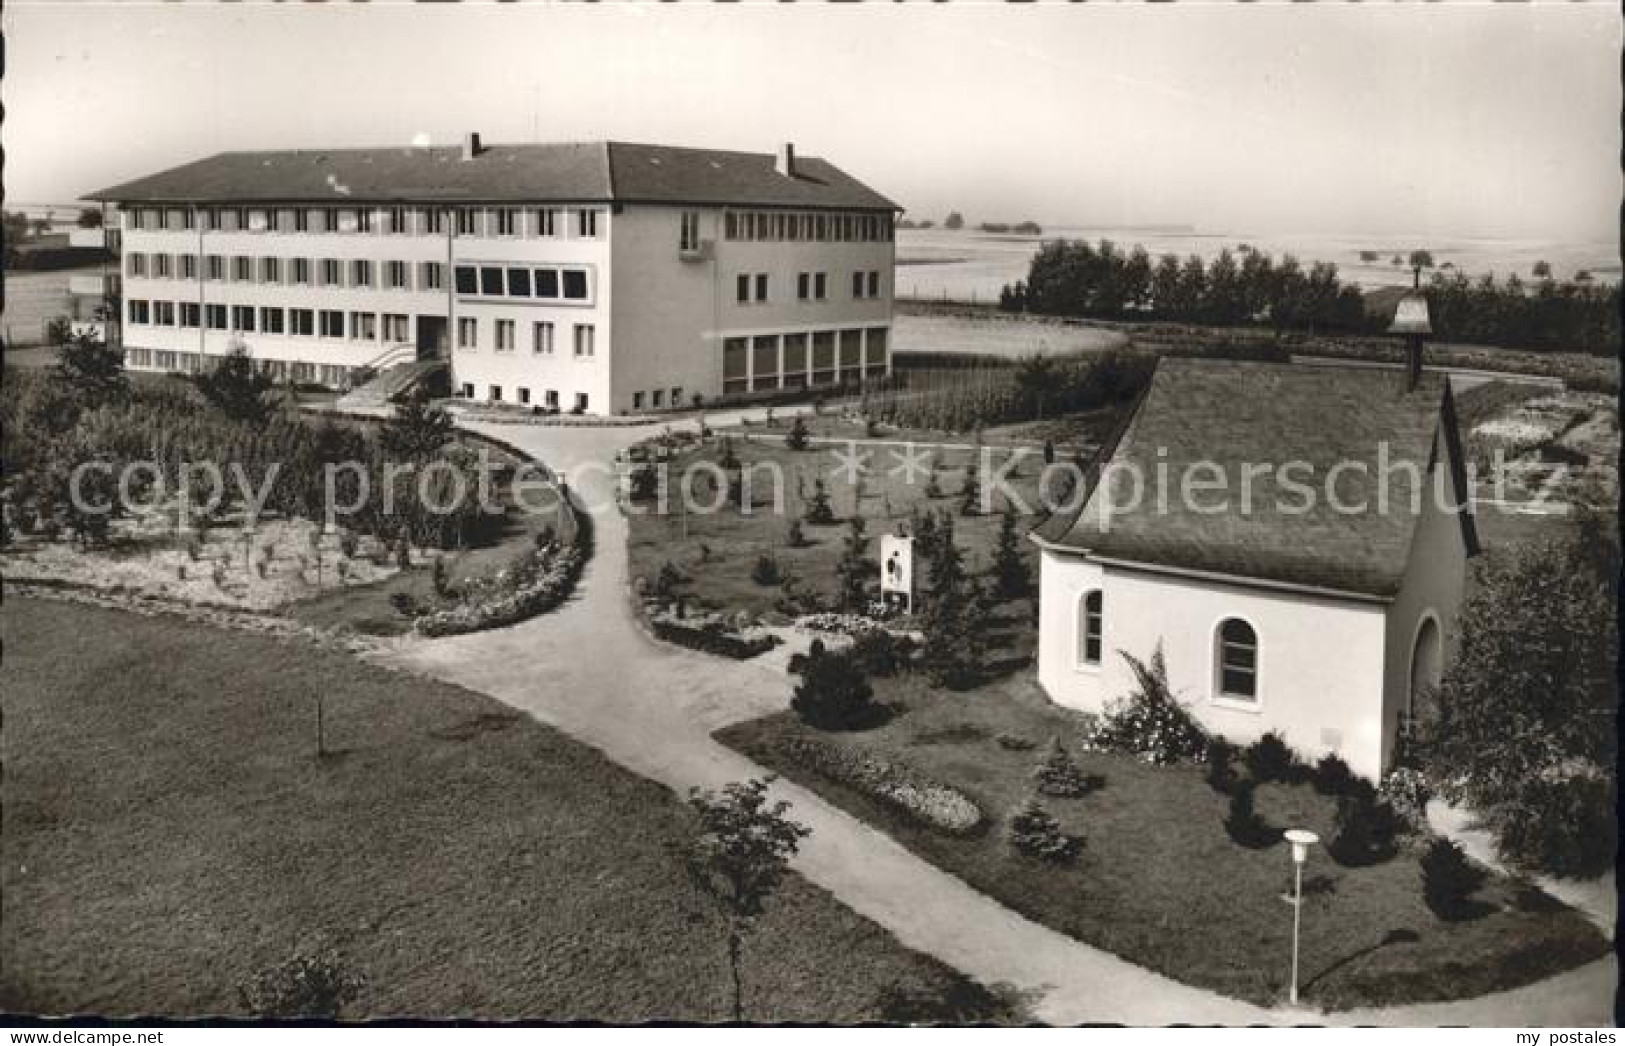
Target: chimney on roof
[(471, 145), (785, 161)]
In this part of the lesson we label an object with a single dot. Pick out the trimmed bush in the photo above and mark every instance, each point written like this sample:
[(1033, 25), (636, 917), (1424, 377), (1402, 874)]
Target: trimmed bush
[(1035, 833), (1366, 832), (882, 653), (766, 571), (1449, 880), (889, 782), (1269, 759), (833, 693), (1221, 765), (1058, 776), (1407, 791), (711, 636), (1333, 776), (1245, 826)]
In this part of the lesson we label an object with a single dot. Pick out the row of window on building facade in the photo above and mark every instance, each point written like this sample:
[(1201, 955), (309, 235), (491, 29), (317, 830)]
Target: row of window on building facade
[(767, 362), (338, 324), (540, 282), (175, 361), (580, 223), (516, 222), (1235, 652), (754, 288)]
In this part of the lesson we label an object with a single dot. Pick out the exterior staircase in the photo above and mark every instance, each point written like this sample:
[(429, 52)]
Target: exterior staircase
[(393, 382)]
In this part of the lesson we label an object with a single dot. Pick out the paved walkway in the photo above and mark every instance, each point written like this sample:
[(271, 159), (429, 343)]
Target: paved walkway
[(591, 671)]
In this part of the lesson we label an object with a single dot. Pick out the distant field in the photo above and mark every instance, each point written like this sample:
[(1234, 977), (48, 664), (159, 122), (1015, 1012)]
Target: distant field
[(32, 300), (1009, 338)]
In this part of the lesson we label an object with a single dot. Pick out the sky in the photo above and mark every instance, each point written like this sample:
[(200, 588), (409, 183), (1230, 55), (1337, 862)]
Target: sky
[(1454, 119)]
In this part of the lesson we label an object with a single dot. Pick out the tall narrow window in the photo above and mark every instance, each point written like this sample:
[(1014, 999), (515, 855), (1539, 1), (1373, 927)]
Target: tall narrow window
[(584, 339), (1237, 669), (742, 287), (505, 335), (468, 333), (541, 338), (761, 286), (688, 237), (587, 223), (1091, 622)]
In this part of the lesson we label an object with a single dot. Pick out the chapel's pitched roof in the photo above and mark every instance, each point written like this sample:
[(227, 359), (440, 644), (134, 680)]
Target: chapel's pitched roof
[(587, 172), (1233, 414)]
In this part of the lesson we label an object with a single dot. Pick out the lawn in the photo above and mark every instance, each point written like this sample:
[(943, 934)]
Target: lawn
[(717, 551), (169, 830), (1161, 884)]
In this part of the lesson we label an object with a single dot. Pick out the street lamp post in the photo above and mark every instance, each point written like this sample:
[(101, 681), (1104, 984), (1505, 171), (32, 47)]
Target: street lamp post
[(1301, 840)]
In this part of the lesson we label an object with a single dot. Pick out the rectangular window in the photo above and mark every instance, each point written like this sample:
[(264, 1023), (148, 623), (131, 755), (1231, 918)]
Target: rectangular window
[(468, 333), (468, 221), (360, 272), (519, 283), (857, 285), (524, 395), (761, 286), (188, 264), (504, 336), (163, 313), (397, 328), (742, 288), (496, 393), (735, 365), (575, 284), (587, 223), (332, 323), (541, 338), (242, 318), (764, 362), (212, 219), (301, 219), (363, 326), (730, 226), (399, 278), (161, 266), (330, 219), (491, 281), (688, 234), (432, 276), (656, 396), (851, 354), (803, 285), (140, 311), (136, 263), (795, 361), (823, 361), (874, 283), (215, 316), (242, 270), (214, 267), (637, 401), (270, 270), (547, 283), (271, 320), (507, 220), (299, 271), (820, 289), (431, 221), (584, 339), (467, 280), (303, 322), (399, 221), (332, 274), (543, 221), (363, 220), (874, 355)]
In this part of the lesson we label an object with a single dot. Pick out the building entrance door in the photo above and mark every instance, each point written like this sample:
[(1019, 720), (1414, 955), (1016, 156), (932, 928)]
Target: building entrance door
[(431, 337)]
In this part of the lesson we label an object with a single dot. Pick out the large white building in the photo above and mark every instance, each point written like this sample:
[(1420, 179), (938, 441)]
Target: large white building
[(602, 277), (1320, 604)]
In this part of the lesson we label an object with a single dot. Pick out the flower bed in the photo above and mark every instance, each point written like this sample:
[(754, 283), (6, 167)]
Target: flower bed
[(543, 580), (710, 635), (895, 784)]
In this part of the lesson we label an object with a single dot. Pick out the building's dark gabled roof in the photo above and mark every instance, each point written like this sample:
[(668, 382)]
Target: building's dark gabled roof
[(1234, 414), (566, 173)]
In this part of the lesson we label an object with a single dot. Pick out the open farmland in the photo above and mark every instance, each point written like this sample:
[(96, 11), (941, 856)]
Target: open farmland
[(995, 335)]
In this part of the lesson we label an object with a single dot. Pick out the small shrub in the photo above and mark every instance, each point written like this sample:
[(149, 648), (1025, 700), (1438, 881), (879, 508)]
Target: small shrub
[(793, 537), (1150, 723), (403, 554), (1407, 792), (766, 571), (1449, 880), (1245, 826), (1332, 775), (405, 604), (881, 653), (1366, 832), (1221, 765), (1269, 759), (960, 1001), (667, 580), (1058, 776), (349, 544), (1015, 742), (833, 693), (311, 985), (1035, 833), (441, 578), (798, 437)]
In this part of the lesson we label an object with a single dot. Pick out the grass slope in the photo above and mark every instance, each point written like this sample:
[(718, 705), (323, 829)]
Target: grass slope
[(168, 830), (1161, 884)]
